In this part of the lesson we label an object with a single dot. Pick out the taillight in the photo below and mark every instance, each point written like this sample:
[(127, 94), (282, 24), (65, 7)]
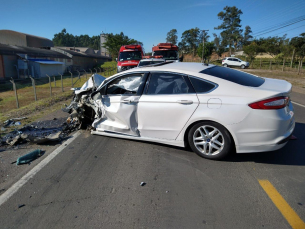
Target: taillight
[(271, 104)]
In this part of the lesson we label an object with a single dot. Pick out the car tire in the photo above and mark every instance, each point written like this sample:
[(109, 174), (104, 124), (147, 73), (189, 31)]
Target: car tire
[(225, 65), (210, 140), (242, 66)]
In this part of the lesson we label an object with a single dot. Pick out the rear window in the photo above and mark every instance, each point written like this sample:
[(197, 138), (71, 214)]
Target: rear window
[(234, 76), (201, 86)]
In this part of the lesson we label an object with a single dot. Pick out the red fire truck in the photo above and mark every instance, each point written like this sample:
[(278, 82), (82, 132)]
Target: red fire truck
[(167, 50), (129, 57)]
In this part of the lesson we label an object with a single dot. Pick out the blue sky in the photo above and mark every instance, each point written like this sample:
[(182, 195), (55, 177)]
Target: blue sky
[(146, 21)]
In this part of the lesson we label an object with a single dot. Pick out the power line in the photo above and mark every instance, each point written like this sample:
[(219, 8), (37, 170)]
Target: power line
[(280, 24), (280, 13), (283, 26), (257, 26), (289, 30)]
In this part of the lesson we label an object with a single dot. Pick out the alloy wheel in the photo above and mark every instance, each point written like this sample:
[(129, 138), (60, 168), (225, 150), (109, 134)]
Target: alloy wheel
[(208, 140)]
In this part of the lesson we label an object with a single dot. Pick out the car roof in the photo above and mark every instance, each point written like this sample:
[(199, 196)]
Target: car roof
[(152, 59), (179, 67)]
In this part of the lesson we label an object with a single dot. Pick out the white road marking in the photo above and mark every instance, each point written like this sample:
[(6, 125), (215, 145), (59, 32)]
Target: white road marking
[(15, 187), (298, 104)]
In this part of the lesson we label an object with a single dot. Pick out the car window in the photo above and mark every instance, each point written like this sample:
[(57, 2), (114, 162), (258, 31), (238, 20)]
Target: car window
[(201, 86), (167, 83), (230, 59), (235, 59), (124, 85), (234, 76), (143, 63)]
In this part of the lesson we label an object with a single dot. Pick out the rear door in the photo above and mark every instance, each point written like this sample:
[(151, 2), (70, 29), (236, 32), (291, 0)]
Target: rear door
[(120, 102), (166, 105)]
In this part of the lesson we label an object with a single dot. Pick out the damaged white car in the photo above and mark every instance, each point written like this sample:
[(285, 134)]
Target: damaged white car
[(214, 110)]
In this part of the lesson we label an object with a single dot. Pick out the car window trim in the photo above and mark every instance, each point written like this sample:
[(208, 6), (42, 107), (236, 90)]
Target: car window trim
[(207, 81)]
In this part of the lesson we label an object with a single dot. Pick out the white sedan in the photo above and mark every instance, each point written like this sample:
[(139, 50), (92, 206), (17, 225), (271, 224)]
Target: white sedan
[(214, 110)]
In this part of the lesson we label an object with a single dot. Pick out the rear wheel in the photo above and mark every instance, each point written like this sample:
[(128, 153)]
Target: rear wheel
[(225, 65), (210, 140), (242, 66)]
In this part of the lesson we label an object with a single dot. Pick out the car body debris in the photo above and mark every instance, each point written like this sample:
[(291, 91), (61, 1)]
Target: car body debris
[(38, 134), (86, 106), (29, 157), (142, 184), (13, 122)]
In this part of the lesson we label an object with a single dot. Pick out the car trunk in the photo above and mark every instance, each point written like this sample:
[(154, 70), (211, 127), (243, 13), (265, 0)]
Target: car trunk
[(275, 87)]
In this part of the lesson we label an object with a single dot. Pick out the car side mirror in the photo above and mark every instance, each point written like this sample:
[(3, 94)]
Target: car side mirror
[(116, 59), (180, 59)]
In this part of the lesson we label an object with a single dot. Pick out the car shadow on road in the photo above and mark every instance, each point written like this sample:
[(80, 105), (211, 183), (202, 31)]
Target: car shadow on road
[(293, 153)]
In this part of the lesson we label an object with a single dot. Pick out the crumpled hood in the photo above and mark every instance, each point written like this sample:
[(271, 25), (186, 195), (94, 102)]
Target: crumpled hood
[(93, 82)]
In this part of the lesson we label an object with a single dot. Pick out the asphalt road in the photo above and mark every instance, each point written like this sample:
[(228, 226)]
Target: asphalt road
[(95, 183)]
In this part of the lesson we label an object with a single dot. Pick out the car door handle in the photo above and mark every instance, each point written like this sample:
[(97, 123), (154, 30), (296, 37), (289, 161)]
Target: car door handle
[(130, 101), (185, 101)]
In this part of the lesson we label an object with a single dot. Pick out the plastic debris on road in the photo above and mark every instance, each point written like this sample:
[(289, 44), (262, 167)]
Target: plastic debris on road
[(12, 122), (31, 156), (142, 183)]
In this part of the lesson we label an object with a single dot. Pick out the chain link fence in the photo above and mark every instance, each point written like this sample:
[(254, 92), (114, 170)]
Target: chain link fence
[(16, 93)]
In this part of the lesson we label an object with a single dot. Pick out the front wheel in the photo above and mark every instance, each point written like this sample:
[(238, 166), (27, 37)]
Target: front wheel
[(210, 140), (242, 66)]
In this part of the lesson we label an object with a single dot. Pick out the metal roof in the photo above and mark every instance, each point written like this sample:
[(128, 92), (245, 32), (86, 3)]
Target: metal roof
[(49, 62), (14, 50), (71, 53), (10, 37)]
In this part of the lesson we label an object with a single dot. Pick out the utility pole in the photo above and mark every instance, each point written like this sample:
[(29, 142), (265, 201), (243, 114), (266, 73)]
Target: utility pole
[(203, 33)]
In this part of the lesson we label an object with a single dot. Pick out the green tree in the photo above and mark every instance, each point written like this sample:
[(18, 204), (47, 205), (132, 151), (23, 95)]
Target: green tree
[(115, 41), (246, 40), (208, 50), (190, 40), (219, 47), (65, 39), (272, 45), (231, 25), (299, 44), (252, 50), (172, 37)]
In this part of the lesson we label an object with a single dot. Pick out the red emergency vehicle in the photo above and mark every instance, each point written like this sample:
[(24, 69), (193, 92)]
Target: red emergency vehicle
[(129, 57), (167, 50)]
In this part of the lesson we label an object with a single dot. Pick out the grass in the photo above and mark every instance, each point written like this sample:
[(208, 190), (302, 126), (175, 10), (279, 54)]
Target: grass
[(26, 96)]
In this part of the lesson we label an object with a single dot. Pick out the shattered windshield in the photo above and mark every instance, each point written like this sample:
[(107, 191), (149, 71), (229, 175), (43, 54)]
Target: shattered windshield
[(130, 56), (125, 85), (167, 54)]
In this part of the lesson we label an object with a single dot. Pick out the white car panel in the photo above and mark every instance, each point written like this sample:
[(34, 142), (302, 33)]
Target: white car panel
[(164, 116), (120, 114)]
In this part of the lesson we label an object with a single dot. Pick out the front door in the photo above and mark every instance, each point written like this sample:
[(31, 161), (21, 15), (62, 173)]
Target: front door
[(120, 102), (165, 106)]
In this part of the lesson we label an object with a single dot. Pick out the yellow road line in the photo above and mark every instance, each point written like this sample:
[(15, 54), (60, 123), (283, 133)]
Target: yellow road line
[(289, 214)]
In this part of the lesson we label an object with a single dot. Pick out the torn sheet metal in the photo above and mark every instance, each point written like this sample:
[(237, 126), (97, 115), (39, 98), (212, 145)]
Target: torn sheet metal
[(93, 82), (117, 114)]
